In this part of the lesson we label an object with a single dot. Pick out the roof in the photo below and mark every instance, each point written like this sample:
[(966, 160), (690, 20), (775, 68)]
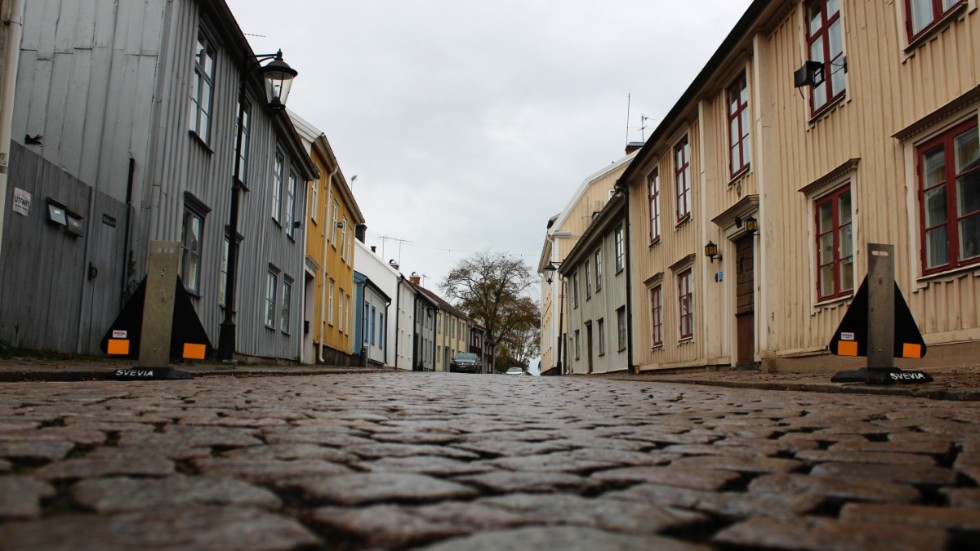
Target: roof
[(319, 144), (725, 50), (609, 216), (442, 304)]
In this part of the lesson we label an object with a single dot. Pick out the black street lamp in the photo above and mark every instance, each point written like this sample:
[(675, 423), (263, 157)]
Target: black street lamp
[(278, 77), (549, 271)]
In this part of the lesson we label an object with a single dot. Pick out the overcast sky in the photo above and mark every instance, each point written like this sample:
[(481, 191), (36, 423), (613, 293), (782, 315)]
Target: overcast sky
[(470, 123)]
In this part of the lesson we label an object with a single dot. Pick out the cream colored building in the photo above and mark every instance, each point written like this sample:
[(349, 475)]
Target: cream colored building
[(877, 144), (563, 232)]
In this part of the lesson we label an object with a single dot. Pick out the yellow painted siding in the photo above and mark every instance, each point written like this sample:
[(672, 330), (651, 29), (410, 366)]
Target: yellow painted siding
[(332, 248)]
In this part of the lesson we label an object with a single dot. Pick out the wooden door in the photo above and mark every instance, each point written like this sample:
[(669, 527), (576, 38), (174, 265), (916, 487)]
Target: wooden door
[(745, 301)]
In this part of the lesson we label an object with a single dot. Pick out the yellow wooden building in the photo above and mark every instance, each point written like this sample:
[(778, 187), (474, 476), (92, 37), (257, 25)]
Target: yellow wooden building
[(815, 129), (332, 218)]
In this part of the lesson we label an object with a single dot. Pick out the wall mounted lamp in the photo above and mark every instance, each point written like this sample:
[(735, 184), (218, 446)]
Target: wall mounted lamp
[(711, 251), (549, 271), (750, 223)]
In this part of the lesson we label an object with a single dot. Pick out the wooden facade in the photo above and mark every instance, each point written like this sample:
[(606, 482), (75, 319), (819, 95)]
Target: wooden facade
[(563, 232), (139, 101), (597, 323), (857, 154), (332, 216)]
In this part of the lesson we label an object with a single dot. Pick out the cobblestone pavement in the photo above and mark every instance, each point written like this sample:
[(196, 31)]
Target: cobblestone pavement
[(467, 462)]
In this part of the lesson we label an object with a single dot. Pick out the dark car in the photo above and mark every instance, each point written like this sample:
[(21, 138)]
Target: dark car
[(466, 362)]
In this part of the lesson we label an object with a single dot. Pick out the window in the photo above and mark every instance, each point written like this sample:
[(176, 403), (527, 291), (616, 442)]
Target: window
[(621, 327), (601, 326), (835, 245), (588, 280), (949, 199), (277, 175), (657, 316), (336, 221), (620, 249), (682, 174), (343, 241), (578, 347), (575, 290), (291, 204), (826, 41), (201, 88), (190, 243), (287, 294), (598, 270), (738, 125), (922, 15), (243, 128), (224, 272), (653, 190), (314, 199), (364, 317), (330, 306), (685, 302), (381, 331), (372, 329), (272, 283)]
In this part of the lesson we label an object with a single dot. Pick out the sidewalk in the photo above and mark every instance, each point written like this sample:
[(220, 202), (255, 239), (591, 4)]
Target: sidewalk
[(957, 385), (31, 368)]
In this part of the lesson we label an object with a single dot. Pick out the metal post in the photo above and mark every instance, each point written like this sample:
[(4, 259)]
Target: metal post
[(881, 305), (158, 304)]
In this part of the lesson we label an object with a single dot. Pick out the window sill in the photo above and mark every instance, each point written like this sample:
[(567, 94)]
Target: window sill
[(270, 328), (656, 347), (653, 243), (200, 141), (682, 221), (686, 340), (934, 28), (827, 303), (740, 175), (947, 275), (830, 106)]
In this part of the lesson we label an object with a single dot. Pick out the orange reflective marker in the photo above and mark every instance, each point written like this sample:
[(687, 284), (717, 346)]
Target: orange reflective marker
[(194, 351), (847, 348), (911, 350), (118, 347)]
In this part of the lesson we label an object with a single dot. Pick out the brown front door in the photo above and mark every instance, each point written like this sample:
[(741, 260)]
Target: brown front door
[(745, 301)]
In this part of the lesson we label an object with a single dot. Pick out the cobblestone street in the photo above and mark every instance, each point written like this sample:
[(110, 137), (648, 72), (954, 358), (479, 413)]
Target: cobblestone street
[(466, 462)]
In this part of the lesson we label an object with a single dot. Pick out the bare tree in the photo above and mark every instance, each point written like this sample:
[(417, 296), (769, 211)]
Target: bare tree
[(492, 288)]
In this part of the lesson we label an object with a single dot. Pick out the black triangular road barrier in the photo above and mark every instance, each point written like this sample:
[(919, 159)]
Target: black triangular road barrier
[(188, 338), (851, 337)]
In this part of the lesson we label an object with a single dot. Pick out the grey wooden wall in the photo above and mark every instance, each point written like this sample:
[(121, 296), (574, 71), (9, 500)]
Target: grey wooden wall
[(50, 297)]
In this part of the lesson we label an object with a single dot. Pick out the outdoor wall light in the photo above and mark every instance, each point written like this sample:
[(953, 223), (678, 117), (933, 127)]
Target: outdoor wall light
[(549, 271), (711, 251), (750, 223)]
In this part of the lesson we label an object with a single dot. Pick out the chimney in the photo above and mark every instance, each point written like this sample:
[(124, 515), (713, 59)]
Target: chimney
[(633, 146), (360, 232), (415, 278), (374, 248)]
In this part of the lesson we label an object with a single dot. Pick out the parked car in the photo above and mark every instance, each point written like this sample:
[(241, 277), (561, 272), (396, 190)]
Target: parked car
[(466, 362), (515, 371)]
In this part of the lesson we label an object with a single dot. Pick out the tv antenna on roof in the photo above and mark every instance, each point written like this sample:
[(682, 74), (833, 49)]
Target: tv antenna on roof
[(643, 126), (386, 238)]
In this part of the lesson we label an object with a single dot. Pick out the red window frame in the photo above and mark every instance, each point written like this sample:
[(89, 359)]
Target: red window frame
[(653, 195), (682, 176), (841, 257), (685, 304), (657, 316), (938, 12), (738, 125), (819, 38), (948, 189)]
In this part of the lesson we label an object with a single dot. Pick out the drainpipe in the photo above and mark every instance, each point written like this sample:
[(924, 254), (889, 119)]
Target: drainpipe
[(625, 189), (398, 316), (15, 30), (323, 262)]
